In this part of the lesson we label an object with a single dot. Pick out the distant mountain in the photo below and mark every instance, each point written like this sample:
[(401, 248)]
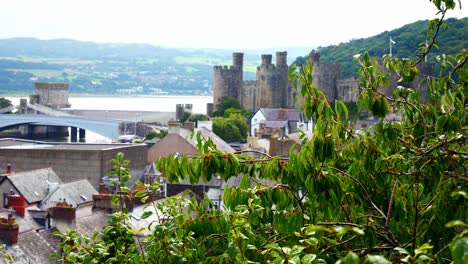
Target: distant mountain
[(110, 68), (451, 40)]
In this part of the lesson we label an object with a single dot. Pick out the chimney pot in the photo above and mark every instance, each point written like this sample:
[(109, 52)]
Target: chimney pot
[(9, 231), (8, 169)]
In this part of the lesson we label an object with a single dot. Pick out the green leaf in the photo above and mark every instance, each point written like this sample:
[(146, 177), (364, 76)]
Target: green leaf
[(402, 251), (340, 108), (309, 258), (455, 223), (146, 214), (376, 259), (459, 250), (350, 258), (115, 200)]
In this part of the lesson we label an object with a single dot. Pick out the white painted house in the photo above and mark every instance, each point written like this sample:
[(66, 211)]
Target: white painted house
[(286, 121)]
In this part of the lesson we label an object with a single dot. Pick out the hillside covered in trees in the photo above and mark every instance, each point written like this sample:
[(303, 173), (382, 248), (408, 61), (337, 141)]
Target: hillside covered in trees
[(451, 39)]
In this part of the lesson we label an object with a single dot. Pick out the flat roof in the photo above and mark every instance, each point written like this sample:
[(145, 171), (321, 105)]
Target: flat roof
[(29, 144)]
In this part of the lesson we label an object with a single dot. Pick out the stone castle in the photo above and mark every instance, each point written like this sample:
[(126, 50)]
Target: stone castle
[(272, 89)]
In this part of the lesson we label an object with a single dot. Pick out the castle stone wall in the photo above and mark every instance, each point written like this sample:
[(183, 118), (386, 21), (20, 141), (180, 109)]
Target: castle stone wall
[(347, 90), (325, 76), (54, 95), (249, 95)]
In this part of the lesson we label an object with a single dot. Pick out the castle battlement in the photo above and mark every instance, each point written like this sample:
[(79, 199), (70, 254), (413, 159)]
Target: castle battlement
[(225, 70)]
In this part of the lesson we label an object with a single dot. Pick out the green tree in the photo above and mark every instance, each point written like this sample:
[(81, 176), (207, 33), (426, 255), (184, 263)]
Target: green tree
[(226, 103), (232, 128), (198, 117), (5, 102), (156, 134), (394, 193), (185, 117), (225, 129)]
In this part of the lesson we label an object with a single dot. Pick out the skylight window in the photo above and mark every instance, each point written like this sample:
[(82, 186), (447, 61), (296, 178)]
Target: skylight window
[(36, 193), (83, 197)]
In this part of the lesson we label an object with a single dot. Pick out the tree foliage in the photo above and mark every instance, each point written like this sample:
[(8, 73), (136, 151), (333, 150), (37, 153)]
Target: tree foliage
[(227, 102), (451, 39), (5, 102), (232, 128), (394, 193)]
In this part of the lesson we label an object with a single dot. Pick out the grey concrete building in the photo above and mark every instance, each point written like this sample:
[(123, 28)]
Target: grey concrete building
[(72, 162)]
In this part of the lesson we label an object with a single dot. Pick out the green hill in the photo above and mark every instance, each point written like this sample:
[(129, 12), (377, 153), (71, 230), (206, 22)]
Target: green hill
[(451, 39)]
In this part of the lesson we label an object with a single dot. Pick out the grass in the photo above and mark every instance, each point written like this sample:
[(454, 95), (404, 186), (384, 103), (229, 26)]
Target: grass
[(49, 60), (197, 60), (50, 73)]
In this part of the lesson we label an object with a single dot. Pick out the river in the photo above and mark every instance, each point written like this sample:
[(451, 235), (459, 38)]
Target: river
[(135, 103)]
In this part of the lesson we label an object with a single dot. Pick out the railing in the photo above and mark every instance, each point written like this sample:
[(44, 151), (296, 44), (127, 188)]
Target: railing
[(46, 110)]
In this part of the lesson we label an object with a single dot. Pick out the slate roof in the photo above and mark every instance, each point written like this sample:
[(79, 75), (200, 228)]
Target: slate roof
[(33, 185), (89, 224), (205, 134), (80, 191), (275, 124), (281, 114), (26, 223), (31, 248)]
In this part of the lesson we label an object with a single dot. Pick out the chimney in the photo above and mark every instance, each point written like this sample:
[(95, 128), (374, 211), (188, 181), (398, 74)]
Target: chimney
[(8, 169), (63, 211), (174, 127), (189, 125), (102, 188), (274, 145), (9, 230), (104, 202), (17, 202)]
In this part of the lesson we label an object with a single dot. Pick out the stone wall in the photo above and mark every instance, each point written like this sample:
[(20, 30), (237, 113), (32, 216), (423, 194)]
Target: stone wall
[(347, 90), (249, 95), (54, 95)]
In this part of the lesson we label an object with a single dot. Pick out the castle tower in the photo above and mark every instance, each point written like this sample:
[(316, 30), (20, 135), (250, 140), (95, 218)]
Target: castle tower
[(227, 81), (314, 58), (54, 95), (266, 59), (281, 58), (272, 82), (238, 61), (325, 76)]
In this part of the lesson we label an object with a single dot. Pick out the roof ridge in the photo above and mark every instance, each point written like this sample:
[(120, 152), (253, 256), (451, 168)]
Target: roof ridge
[(28, 171)]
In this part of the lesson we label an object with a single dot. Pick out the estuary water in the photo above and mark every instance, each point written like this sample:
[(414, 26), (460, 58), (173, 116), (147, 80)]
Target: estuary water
[(135, 103)]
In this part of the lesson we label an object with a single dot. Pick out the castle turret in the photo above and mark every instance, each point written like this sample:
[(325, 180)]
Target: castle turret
[(272, 82), (238, 59), (281, 58), (238, 62), (227, 81), (266, 59), (314, 57), (325, 75)]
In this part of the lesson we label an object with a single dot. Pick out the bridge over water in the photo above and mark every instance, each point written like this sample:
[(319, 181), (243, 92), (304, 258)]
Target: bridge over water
[(104, 127)]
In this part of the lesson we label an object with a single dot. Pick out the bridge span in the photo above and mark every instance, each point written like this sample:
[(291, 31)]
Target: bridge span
[(104, 127)]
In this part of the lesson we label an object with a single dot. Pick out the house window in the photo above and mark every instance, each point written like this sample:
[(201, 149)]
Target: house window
[(5, 200)]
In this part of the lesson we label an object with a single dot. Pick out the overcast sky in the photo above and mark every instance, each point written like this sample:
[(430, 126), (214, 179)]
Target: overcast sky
[(234, 24)]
